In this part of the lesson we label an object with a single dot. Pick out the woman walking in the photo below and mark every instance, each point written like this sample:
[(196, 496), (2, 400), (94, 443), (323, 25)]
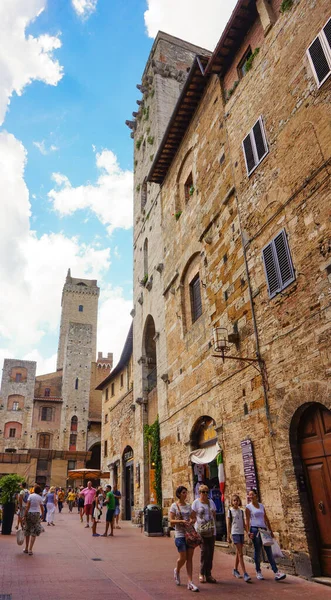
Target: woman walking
[(32, 525), (257, 519), (180, 518), (236, 529), (204, 513), (51, 503)]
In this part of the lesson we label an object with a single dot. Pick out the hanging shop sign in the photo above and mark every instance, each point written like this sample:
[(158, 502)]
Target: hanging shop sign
[(128, 456), (249, 464)]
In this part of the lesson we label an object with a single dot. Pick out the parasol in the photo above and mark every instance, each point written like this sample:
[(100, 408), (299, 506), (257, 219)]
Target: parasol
[(88, 474)]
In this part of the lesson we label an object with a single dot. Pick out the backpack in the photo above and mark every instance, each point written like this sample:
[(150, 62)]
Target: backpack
[(26, 496)]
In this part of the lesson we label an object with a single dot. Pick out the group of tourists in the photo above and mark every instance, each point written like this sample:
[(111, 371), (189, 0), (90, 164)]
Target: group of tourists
[(195, 525), (36, 506)]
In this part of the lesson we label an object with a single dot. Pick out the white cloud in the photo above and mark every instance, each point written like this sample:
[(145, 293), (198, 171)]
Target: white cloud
[(114, 321), (44, 365), (200, 23), (84, 8), (24, 58), (32, 269), (43, 148), (110, 198)]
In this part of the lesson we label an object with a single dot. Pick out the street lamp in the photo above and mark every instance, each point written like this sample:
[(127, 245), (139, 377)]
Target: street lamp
[(222, 340)]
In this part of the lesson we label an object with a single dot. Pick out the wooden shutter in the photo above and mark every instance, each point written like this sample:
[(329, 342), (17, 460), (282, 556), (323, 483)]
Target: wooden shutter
[(196, 304), (278, 265), (319, 53), (248, 153), (259, 138), (255, 146)]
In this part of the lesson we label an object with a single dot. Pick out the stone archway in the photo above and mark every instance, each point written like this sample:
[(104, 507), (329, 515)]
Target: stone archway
[(298, 534)]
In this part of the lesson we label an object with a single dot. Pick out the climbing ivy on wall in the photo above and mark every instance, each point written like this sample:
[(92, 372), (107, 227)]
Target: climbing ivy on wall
[(152, 437)]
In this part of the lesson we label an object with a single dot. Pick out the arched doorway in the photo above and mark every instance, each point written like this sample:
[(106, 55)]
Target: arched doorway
[(314, 445), (128, 482), (204, 450)]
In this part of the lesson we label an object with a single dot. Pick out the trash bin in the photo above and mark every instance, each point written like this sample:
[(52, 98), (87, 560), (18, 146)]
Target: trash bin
[(153, 520)]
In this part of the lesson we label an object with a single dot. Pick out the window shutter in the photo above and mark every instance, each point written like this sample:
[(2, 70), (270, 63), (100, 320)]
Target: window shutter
[(196, 298), (284, 259), (249, 155), (270, 269), (261, 147), (319, 60), (327, 32)]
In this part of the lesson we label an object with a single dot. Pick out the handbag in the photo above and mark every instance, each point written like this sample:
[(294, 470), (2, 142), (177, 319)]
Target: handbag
[(276, 551), (266, 538), (207, 528), (20, 537), (192, 537)]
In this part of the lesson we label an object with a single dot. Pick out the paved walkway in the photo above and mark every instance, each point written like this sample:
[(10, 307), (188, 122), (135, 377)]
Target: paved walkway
[(69, 564)]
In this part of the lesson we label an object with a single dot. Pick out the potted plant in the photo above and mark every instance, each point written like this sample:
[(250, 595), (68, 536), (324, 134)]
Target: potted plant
[(9, 486)]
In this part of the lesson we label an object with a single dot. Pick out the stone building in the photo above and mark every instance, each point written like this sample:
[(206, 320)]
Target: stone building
[(121, 430), (57, 424), (242, 227)]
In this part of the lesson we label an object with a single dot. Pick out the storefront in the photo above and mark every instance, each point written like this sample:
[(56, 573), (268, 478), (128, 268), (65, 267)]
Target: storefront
[(207, 466)]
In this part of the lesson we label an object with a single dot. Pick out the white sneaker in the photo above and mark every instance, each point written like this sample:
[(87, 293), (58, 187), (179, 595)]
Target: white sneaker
[(192, 587), (247, 578), (176, 577), (279, 576), (259, 575)]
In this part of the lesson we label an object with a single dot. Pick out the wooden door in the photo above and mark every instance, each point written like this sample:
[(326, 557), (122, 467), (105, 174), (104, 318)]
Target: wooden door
[(315, 447)]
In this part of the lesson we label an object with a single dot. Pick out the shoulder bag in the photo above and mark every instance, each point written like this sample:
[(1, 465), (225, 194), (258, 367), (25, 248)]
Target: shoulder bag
[(192, 537), (207, 528), (266, 537)]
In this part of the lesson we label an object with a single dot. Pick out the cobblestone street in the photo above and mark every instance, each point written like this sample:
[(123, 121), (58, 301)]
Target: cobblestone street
[(68, 564)]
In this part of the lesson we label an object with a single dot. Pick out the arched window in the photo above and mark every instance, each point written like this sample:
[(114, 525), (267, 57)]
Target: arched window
[(15, 402), (191, 297), (76, 384), (145, 258), (81, 308), (74, 424), (47, 392)]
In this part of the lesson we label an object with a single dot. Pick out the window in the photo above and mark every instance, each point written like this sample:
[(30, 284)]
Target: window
[(188, 187), (145, 260), (72, 441), (81, 308), (12, 432), (113, 389), (143, 196), (76, 384), (255, 146), (278, 264), (106, 394), (74, 424), (122, 379), (105, 451), (44, 440), (319, 54), (195, 295), (106, 418), (42, 464), (46, 413), (47, 392), (71, 465), (18, 377), (241, 68), (15, 406)]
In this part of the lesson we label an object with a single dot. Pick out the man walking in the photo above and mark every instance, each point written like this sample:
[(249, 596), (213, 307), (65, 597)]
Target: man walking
[(118, 496), (89, 495), (110, 503)]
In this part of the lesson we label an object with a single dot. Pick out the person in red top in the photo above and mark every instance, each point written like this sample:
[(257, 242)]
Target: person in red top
[(89, 495)]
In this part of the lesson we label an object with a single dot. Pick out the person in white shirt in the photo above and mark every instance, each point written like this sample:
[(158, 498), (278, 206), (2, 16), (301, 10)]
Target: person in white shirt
[(236, 531), (204, 513), (31, 523)]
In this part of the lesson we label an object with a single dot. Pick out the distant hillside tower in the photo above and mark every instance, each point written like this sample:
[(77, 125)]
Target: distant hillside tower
[(79, 305)]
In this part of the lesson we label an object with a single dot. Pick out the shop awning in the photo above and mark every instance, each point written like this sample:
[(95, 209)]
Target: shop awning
[(202, 456)]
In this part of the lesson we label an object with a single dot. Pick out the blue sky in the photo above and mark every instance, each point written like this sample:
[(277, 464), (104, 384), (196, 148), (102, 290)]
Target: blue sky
[(68, 75)]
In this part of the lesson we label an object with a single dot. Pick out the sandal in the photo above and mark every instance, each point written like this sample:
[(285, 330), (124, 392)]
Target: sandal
[(26, 551), (30, 553), (202, 579)]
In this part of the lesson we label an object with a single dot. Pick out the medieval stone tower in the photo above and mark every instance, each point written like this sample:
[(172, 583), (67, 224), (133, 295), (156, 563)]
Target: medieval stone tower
[(76, 353)]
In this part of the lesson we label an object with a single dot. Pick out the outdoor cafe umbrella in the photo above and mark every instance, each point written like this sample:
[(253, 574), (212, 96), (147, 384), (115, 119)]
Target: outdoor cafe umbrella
[(88, 474)]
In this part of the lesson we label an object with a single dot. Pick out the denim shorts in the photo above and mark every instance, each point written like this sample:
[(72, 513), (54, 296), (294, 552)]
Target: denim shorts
[(238, 538), (181, 544)]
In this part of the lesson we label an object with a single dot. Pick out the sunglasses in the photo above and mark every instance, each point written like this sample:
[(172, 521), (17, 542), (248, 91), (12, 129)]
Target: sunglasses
[(203, 492)]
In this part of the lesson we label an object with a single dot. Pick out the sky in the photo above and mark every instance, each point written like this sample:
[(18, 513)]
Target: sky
[(68, 75)]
